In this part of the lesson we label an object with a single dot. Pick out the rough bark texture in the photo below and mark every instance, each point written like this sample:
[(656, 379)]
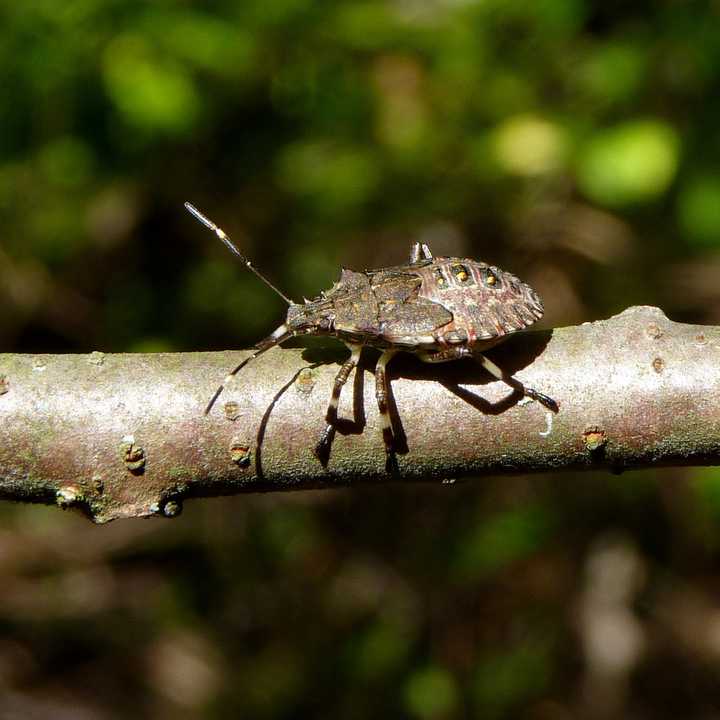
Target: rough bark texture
[(125, 435)]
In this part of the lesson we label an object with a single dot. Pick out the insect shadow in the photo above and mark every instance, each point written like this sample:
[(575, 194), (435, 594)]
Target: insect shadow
[(515, 354), (321, 354), (262, 429)]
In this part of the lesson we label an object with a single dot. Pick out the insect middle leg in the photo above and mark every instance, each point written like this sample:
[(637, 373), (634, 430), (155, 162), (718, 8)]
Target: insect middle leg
[(382, 391), (331, 414)]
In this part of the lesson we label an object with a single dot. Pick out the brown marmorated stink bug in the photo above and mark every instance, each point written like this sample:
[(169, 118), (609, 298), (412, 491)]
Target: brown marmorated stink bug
[(438, 308)]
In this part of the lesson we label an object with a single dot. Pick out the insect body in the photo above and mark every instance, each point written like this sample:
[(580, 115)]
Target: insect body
[(438, 308)]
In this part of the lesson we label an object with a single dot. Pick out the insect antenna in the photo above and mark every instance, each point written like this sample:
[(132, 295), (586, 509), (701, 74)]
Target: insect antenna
[(278, 336), (232, 247)]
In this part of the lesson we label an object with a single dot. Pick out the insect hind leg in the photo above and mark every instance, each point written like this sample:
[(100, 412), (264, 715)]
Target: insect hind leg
[(514, 383), (322, 448), (382, 393)]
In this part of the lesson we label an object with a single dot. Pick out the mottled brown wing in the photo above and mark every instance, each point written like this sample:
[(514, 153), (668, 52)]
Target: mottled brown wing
[(354, 303), (394, 285), (403, 316), (405, 323)]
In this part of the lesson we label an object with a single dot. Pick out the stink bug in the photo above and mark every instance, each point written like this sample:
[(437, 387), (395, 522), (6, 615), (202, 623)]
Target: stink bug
[(438, 308)]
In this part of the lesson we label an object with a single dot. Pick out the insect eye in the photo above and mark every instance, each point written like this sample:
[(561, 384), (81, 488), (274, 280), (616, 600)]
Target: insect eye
[(440, 278)]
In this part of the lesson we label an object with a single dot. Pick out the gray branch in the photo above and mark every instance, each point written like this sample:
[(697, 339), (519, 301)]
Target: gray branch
[(125, 435)]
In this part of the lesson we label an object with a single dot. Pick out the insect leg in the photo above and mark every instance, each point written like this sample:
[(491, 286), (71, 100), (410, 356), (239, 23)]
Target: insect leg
[(382, 390), (331, 414), (514, 383), (278, 336), (441, 356)]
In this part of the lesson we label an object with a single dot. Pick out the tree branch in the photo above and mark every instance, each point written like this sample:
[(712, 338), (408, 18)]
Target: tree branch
[(125, 435)]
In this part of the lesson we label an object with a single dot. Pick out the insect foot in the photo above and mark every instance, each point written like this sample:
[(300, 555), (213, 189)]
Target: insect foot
[(322, 449), (515, 384), (438, 308)]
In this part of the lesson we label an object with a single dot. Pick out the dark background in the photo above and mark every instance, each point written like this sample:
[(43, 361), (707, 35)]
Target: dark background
[(576, 144)]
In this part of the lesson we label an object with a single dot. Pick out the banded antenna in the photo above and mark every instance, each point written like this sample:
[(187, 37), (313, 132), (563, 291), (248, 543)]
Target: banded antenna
[(208, 223), (276, 337)]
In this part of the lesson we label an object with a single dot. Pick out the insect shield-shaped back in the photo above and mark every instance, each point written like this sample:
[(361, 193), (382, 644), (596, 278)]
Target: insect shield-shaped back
[(486, 303)]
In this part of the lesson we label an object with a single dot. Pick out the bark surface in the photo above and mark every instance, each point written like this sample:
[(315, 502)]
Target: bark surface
[(125, 435)]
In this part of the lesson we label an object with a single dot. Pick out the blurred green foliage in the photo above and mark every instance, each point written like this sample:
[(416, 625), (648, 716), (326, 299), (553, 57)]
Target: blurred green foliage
[(635, 162), (498, 541), (431, 693), (572, 142)]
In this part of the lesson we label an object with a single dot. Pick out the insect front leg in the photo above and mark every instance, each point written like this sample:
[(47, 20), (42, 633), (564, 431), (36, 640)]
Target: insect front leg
[(275, 338), (514, 383), (321, 449), (382, 391)]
